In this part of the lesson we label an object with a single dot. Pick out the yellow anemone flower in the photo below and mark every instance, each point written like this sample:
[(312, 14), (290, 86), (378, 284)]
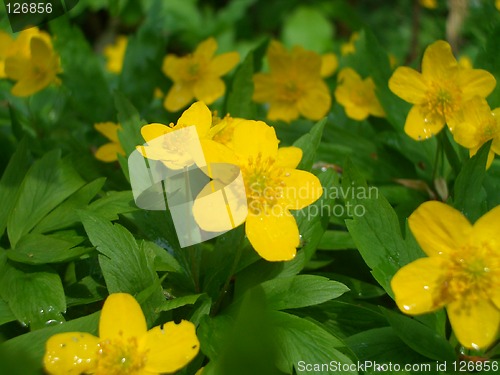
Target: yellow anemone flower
[(115, 53), (461, 272), (357, 95), (176, 154), (110, 151), (439, 92), (124, 345), (32, 62), (197, 75), (293, 86), (476, 126), (273, 187), (5, 42)]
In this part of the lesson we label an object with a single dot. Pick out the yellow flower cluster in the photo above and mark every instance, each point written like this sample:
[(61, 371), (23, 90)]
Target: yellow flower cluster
[(273, 185), (29, 60)]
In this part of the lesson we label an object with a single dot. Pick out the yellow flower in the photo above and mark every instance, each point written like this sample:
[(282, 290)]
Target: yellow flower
[(273, 187), (329, 64), (357, 95), (173, 156), (197, 75), (461, 272), (429, 4), (5, 43), (293, 86), (32, 62), (476, 126), (115, 53), (124, 345), (109, 152), (350, 46), (439, 92)]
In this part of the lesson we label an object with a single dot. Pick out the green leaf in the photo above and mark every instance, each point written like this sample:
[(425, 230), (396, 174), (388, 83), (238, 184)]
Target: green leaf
[(113, 204), (336, 240), (239, 97), (125, 266), (377, 233), (299, 340), (358, 288), (35, 295), (301, 291), (130, 121), (163, 260), (179, 302), (419, 337), (6, 314), (11, 180), (309, 144), (48, 182), (469, 194), (41, 249), (66, 214)]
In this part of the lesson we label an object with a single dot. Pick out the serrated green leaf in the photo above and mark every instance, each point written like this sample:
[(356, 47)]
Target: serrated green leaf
[(130, 121), (299, 340), (309, 144), (336, 240), (66, 215), (179, 302), (35, 295), (300, 291), (124, 265), (42, 249), (48, 182), (239, 96), (163, 260), (113, 204), (420, 338), (11, 181)]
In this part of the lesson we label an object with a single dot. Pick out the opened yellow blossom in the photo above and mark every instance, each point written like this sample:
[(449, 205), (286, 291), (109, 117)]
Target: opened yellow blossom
[(294, 85), (197, 75), (357, 95), (439, 92), (115, 54), (429, 4), (476, 125), (172, 151), (32, 62), (273, 187), (110, 151), (5, 42), (461, 272), (349, 47), (124, 345)]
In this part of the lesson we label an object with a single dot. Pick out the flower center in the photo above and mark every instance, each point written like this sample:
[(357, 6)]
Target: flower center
[(263, 184), (290, 91), (442, 100), (120, 357), (474, 271)]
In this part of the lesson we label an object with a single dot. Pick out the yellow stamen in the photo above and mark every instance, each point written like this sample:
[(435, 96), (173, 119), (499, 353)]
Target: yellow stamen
[(120, 357)]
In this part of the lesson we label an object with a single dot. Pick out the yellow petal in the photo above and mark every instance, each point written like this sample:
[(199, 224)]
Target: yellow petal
[(198, 115), (206, 50), (474, 82), (40, 50), (71, 353), (29, 85), (278, 57), (439, 228), (264, 88), (108, 129), (356, 113), (301, 189), (285, 111), (251, 138), (215, 152), (121, 316), (170, 347), (155, 130), (17, 67), (408, 84), (171, 67), (438, 62), (485, 229), (420, 125), (417, 285), (109, 152), (179, 96), (329, 64), (209, 89), (315, 102), (289, 157), (475, 323), (275, 236), (223, 63)]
